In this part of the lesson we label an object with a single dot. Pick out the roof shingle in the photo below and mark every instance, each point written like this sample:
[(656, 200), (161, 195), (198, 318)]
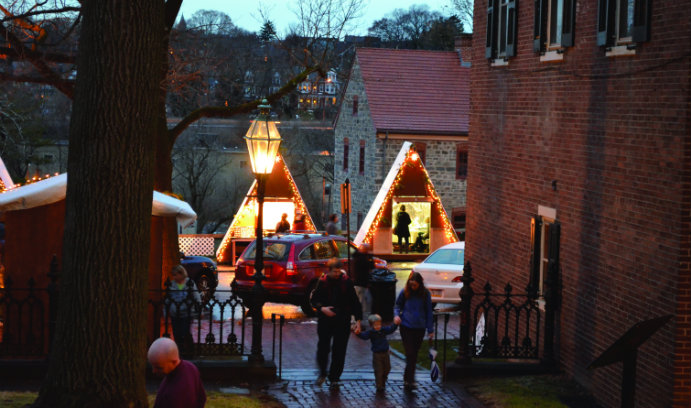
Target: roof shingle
[(416, 91)]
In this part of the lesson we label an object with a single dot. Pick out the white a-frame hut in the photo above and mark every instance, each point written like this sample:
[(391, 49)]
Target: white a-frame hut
[(407, 185)]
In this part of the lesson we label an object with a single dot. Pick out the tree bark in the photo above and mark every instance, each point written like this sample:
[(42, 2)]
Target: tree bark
[(99, 351)]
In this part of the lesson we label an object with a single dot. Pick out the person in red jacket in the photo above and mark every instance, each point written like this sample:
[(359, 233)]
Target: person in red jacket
[(181, 387)]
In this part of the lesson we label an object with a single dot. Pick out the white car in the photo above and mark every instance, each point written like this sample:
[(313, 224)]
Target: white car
[(442, 271)]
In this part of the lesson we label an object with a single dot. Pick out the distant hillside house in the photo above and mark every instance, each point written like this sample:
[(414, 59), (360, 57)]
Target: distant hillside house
[(393, 96), (318, 92)]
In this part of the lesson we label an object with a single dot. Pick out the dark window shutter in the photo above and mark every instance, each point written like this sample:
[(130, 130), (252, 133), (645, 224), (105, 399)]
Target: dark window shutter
[(511, 29), (568, 22), (554, 232), (551, 274), (491, 44), (605, 21), (539, 31), (535, 230), (641, 21)]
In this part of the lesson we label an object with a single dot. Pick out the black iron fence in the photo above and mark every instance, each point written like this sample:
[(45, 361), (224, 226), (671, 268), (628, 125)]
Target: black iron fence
[(216, 325), (504, 325)]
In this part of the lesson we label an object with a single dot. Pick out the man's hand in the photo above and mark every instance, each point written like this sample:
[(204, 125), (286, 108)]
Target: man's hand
[(328, 311), (397, 320)]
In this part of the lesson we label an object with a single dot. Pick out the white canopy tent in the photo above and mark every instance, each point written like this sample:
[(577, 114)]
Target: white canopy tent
[(53, 189)]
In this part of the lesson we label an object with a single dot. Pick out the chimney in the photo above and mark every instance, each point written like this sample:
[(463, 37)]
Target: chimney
[(464, 46)]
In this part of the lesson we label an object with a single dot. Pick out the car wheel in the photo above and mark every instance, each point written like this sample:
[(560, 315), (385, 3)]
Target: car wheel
[(204, 287), (306, 307)]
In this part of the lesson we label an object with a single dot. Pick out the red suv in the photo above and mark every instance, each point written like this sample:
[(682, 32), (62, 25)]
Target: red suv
[(292, 265)]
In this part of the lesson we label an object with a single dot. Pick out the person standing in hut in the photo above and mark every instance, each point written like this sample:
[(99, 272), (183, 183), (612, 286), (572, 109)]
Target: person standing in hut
[(401, 230), (299, 224), (283, 225)]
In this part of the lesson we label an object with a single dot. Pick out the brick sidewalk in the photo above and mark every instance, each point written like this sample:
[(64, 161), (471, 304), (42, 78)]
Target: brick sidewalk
[(299, 371), (361, 393)]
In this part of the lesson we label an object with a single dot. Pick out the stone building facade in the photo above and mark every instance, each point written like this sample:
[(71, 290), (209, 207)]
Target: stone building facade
[(367, 140), (580, 160)]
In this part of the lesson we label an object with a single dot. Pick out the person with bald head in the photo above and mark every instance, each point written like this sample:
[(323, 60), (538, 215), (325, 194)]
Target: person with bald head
[(182, 386)]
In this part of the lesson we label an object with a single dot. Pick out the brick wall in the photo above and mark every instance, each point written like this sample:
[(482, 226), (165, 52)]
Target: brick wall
[(380, 154), (614, 134)]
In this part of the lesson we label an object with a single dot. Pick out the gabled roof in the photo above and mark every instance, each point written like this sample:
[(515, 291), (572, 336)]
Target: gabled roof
[(416, 91)]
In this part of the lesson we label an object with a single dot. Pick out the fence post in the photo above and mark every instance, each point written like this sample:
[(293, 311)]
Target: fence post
[(466, 293), (53, 299)]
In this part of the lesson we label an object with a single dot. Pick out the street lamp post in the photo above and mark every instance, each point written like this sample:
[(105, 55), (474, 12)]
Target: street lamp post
[(263, 140)]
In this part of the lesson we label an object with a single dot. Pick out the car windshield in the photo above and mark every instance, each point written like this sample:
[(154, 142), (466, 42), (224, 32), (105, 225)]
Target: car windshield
[(342, 245), (276, 251), (446, 256)]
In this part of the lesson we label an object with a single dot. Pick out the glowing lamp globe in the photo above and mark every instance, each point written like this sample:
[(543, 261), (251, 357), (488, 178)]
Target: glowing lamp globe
[(263, 140)]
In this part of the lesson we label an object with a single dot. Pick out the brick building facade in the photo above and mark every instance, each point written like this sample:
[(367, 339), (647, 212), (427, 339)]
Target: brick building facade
[(393, 96), (580, 137)]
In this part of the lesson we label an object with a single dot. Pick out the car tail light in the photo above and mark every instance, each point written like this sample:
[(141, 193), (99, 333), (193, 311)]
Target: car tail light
[(456, 279), (290, 265), (290, 268)]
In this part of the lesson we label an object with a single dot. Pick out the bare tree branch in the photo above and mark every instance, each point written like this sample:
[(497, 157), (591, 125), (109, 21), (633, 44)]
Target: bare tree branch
[(226, 112), (46, 56), (24, 16), (36, 80), (40, 65)]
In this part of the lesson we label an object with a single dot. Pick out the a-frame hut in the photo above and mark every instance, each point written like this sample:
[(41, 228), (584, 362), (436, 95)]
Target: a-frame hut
[(281, 196), (407, 184)]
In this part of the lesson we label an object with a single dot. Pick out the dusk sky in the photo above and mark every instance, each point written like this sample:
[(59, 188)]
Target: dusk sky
[(245, 13)]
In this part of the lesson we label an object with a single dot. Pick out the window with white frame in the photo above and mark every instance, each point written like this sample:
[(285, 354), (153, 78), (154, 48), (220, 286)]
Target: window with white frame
[(501, 29), (554, 24), (623, 22), (544, 237)]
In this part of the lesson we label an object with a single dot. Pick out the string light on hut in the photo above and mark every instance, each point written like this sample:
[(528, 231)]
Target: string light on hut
[(411, 160)]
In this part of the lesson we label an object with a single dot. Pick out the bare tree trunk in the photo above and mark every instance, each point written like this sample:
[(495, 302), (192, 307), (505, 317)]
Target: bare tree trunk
[(99, 350), (163, 182)]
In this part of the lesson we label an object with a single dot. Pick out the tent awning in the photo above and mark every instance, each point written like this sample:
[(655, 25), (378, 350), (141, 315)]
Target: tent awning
[(53, 189)]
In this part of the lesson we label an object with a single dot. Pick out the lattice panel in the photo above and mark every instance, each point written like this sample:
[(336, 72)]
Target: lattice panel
[(201, 245)]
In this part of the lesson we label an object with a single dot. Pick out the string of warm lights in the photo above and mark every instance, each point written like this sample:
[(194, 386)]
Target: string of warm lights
[(412, 159), (297, 198), (34, 179), (249, 210)]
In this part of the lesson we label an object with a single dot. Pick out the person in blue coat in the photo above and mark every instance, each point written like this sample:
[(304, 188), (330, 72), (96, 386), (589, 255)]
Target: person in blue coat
[(413, 312)]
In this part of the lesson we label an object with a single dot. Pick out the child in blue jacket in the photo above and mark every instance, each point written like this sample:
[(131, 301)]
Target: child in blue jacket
[(380, 349)]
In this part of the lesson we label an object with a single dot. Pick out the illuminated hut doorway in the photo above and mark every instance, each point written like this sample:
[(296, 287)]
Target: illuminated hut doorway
[(419, 210)]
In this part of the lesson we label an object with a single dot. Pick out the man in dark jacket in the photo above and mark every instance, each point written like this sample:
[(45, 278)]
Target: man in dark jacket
[(335, 301)]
